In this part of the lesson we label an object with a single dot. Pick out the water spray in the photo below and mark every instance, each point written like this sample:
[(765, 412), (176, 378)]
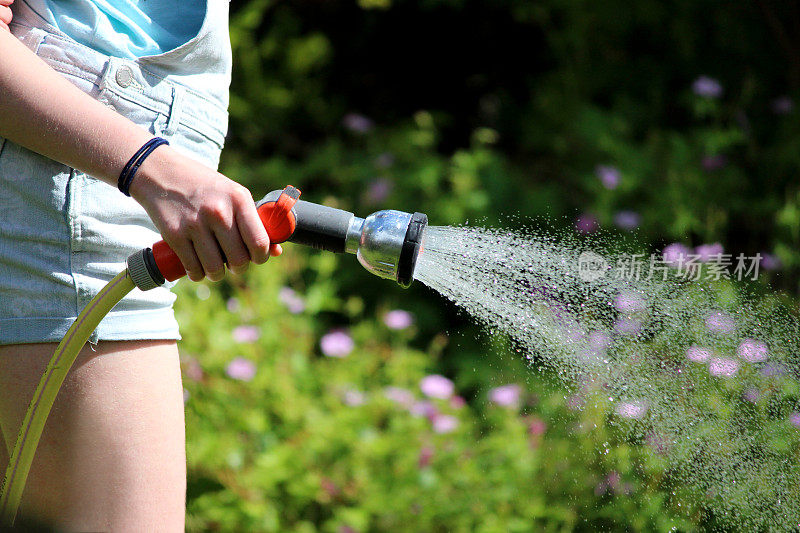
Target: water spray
[(387, 243)]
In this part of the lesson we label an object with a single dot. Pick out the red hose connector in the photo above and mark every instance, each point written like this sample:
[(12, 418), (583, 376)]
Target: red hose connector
[(150, 268)]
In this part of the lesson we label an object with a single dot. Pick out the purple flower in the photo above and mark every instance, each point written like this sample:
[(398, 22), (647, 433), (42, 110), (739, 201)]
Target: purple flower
[(711, 163), (627, 220), (233, 305), (676, 254), (769, 261), (723, 367), (751, 394), (707, 87), (354, 398), (708, 252), (634, 409), (444, 423), (794, 419), (587, 223), (609, 176), (782, 105), (752, 351), (357, 123), (246, 334), (291, 300), (398, 319), (337, 343), (697, 354), (773, 369), (457, 402), (399, 395), (241, 369), (378, 190), (627, 326), (186, 396), (423, 408), (436, 386), (720, 322), (599, 340), (629, 302), (506, 395)]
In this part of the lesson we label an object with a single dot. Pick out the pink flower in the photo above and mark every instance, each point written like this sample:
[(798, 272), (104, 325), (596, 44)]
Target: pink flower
[(398, 319), (337, 343), (293, 302), (425, 456), (723, 367), (399, 395), (708, 252), (676, 254), (436, 386), (635, 409), (794, 419), (697, 354), (444, 423), (752, 351), (720, 322), (246, 334), (609, 176), (629, 302), (537, 427), (241, 369), (186, 396), (575, 402), (457, 402), (506, 395), (192, 368), (587, 223)]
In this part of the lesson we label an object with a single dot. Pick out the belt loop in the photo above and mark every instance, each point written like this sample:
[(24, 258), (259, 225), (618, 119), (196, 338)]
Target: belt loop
[(175, 110), (33, 38)]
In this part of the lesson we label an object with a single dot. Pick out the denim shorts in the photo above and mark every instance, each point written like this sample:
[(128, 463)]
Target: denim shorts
[(64, 234)]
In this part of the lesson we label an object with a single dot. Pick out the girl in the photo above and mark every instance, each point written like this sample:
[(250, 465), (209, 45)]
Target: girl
[(84, 84)]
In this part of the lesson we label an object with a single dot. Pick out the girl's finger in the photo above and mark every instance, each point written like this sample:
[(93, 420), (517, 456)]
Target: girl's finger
[(234, 249), (208, 251), (275, 250)]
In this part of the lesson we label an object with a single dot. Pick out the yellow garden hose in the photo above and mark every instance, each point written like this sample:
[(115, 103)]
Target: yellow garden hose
[(31, 429)]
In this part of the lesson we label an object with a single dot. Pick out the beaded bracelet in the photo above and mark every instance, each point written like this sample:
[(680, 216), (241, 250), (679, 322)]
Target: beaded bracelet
[(133, 164)]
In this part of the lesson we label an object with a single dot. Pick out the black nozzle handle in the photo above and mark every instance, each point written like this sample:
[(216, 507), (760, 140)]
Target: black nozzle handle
[(318, 226)]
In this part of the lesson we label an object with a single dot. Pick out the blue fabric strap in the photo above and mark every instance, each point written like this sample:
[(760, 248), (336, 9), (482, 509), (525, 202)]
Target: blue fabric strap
[(133, 164)]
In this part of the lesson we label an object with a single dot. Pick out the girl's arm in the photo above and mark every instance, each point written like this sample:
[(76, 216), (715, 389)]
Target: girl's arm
[(198, 211)]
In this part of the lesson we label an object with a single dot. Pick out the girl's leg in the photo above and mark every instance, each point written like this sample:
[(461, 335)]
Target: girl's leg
[(112, 455)]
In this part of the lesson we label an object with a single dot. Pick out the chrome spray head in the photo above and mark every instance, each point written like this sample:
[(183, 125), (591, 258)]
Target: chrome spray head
[(387, 243)]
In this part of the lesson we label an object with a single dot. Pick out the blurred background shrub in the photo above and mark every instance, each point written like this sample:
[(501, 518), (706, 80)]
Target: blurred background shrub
[(657, 121)]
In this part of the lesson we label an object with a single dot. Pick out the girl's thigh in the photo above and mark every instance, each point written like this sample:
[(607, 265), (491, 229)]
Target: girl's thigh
[(112, 455)]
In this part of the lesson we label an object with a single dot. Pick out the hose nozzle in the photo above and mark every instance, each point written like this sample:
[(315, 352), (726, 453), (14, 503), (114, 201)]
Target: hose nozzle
[(387, 243)]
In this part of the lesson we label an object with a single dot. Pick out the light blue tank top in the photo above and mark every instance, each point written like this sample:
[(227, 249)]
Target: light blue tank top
[(125, 28)]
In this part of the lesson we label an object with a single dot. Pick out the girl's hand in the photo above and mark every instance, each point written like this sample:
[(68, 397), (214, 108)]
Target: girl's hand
[(205, 217), (5, 14)]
